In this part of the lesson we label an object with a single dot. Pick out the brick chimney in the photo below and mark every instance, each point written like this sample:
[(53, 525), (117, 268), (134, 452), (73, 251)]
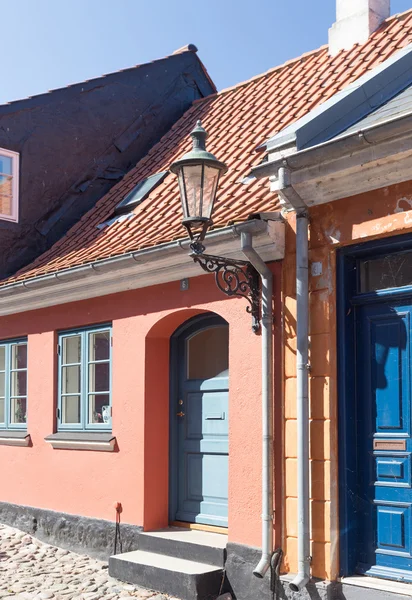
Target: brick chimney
[(355, 21)]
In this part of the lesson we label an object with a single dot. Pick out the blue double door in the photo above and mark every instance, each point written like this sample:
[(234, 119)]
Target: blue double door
[(382, 498), (200, 423)]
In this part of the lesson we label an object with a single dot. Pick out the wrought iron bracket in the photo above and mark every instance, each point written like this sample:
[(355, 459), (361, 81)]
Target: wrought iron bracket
[(234, 278)]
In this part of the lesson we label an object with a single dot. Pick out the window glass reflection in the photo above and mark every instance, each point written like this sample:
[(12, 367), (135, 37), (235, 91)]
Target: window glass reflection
[(394, 270), (208, 353)]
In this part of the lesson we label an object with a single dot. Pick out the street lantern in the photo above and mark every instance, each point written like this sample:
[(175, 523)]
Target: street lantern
[(198, 174)]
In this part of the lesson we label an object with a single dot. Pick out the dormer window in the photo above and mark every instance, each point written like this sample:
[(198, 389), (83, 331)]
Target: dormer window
[(140, 193), (9, 185)]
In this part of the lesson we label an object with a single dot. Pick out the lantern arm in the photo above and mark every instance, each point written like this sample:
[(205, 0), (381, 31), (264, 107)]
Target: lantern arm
[(234, 278)]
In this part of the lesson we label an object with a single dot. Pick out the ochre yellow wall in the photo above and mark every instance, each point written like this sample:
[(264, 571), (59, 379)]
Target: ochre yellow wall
[(381, 213)]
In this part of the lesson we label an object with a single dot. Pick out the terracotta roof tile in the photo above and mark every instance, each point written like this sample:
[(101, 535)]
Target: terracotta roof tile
[(238, 119)]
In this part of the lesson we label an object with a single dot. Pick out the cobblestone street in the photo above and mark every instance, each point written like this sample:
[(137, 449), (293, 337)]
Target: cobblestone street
[(33, 570)]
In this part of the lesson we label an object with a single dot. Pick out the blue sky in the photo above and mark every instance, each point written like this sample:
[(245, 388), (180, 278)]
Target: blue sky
[(51, 43)]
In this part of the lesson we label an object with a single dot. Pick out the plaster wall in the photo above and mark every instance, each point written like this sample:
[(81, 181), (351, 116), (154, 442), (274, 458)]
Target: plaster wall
[(381, 213), (88, 483)]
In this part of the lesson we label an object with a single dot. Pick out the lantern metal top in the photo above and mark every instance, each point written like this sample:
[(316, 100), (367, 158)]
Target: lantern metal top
[(198, 154)]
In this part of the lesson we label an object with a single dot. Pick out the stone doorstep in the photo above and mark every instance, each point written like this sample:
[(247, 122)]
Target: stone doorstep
[(384, 585), (198, 546), (186, 579)]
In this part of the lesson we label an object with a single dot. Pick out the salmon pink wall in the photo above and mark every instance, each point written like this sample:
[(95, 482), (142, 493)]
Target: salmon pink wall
[(89, 482)]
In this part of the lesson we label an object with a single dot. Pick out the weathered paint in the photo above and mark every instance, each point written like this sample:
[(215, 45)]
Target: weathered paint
[(376, 214), (88, 483)]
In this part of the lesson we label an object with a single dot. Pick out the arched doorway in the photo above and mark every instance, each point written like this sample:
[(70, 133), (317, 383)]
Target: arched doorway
[(199, 422)]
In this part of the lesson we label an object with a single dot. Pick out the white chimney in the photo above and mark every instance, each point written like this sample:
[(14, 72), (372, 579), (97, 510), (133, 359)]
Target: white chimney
[(355, 21)]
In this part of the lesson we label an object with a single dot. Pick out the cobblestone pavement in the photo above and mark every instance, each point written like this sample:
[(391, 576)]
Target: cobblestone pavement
[(32, 570)]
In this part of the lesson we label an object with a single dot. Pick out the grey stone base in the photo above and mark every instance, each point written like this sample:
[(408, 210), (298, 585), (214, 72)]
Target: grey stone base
[(84, 535), (95, 537), (241, 560)]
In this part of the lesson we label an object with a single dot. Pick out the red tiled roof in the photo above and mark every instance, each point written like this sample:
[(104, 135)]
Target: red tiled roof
[(237, 120)]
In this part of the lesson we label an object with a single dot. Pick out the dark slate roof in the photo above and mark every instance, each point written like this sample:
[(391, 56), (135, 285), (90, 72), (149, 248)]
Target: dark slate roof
[(396, 108), (76, 142)]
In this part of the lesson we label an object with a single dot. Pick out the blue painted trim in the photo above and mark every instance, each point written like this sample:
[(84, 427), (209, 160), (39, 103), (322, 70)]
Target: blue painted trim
[(189, 327), (84, 387), (347, 300), (7, 385), (350, 105)]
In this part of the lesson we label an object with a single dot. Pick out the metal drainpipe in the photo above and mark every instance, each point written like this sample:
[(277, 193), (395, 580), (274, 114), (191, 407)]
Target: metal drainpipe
[(302, 358), (267, 402), (302, 371)]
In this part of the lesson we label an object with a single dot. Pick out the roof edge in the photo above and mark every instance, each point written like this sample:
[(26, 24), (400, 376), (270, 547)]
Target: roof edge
[(130, 271), (93, 80)]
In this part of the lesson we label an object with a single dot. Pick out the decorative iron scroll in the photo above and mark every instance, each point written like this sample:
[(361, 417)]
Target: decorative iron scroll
[(234, 278)]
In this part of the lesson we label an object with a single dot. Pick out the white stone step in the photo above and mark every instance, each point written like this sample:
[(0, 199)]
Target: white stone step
[(198, 546)]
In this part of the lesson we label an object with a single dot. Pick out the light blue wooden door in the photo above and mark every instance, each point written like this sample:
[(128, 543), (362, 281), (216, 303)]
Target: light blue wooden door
[(201, 419)]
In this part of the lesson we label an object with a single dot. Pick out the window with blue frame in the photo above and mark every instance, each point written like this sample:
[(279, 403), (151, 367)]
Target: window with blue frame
[(13, 384), (85, 379)]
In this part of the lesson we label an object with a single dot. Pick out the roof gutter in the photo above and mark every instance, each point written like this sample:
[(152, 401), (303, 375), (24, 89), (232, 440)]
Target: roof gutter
[(150, 266), (398, 127)]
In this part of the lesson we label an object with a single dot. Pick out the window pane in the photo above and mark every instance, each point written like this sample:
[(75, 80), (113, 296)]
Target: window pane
[(208, 353), (2, 386), (99, 408), (394, 270), (6, 185), (71, 349), (18, 407), (99, 377), (19, 383), (6, 191), (5, 164), (210, 183), (2, 410), (99, 345), (19, 356), (2, 358), (70, 409), (71, 380)]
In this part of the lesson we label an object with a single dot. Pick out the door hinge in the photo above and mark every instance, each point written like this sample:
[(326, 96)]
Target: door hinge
[(57, 413), (58, 349)]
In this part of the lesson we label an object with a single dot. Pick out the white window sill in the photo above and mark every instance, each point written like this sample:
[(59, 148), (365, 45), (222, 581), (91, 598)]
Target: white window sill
[(8, 437), (84, 440)]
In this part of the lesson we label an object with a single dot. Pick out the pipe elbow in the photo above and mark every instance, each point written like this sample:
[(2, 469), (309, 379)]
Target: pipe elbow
[(262, 567), (300, 581)]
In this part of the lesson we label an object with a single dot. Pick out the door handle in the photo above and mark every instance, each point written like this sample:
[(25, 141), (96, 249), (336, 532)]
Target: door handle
[(180, 414)]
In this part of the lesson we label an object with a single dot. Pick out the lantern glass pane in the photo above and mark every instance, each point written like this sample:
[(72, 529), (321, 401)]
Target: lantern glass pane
[(183, 194), (193, 183), (211, 179)]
